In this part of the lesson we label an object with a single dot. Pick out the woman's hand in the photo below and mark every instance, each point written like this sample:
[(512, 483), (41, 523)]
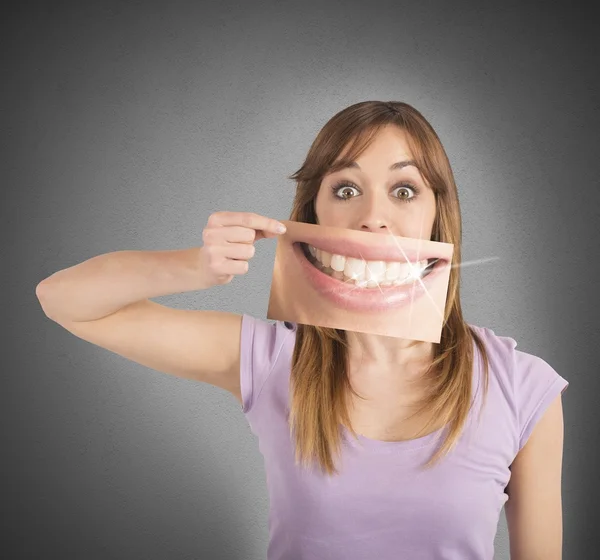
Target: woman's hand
[(229, 243)]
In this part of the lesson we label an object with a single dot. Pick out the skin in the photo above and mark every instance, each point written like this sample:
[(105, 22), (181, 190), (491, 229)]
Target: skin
[(534, 507), (378, 205)]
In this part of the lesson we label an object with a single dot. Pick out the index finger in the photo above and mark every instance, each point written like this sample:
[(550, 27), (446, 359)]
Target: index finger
[(249, 220)]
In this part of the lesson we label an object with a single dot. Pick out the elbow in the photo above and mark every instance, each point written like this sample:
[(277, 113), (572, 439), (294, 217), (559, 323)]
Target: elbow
[(42, 293)]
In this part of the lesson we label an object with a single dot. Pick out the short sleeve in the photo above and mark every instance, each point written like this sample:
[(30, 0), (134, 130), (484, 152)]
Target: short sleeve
[(536, 385), (260, 346)]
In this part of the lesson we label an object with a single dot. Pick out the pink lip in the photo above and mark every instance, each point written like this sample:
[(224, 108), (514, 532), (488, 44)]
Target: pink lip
[(351, 297), (387, 248)]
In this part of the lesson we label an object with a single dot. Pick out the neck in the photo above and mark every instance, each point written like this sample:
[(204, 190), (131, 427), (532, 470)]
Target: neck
[(388, 351)]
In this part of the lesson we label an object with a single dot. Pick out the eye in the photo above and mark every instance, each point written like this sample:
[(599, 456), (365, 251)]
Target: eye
[(344, 190), (407, 192)]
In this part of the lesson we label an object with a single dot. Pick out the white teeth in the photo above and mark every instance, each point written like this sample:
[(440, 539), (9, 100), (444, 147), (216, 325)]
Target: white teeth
[(397, 271), (368, 273), (375, 273), (337, 262), (355, 268)]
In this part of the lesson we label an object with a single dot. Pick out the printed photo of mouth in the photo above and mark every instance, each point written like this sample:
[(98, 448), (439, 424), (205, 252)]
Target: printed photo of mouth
[(360, 281), (363, 278)]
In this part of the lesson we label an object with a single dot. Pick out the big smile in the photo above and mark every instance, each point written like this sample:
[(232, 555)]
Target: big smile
[(368, 274), (364, 278)]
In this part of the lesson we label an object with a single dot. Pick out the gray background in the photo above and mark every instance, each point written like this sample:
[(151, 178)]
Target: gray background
[(125, 125)]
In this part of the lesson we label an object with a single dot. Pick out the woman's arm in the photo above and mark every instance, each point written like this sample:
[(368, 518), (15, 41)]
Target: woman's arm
[(534, 507)]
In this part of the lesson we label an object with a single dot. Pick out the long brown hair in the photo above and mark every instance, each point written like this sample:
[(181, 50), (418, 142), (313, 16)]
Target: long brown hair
[(319, 380)]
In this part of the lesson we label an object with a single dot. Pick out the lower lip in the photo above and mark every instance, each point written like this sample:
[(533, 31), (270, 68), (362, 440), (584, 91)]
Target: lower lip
[(354, 298)]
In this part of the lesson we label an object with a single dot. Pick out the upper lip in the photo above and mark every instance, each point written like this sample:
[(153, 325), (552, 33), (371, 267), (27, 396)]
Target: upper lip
[(388, 250)]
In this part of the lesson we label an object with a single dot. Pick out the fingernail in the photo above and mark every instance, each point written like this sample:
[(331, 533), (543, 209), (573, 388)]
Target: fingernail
[(280, 228)]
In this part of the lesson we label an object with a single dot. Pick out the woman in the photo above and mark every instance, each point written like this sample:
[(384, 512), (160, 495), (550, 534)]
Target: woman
[(374, 447)]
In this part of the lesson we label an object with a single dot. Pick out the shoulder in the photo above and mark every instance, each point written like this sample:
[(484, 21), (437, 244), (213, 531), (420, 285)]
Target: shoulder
[(527, 381), (263, 345), (500, 349), (266, 337), (513, 366)]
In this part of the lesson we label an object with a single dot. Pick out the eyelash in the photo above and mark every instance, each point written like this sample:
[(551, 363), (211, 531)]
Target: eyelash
[(339, 185)]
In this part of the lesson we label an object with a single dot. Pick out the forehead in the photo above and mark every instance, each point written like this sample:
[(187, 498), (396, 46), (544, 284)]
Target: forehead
[(388, 143)]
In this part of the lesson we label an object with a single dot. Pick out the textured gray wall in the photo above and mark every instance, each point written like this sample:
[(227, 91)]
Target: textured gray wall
[(125, 126)]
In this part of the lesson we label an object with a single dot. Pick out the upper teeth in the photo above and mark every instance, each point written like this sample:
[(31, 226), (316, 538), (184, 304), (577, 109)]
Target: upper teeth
[(369, 273)]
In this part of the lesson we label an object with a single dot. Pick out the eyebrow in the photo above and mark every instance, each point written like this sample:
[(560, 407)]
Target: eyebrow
[(397, 165)]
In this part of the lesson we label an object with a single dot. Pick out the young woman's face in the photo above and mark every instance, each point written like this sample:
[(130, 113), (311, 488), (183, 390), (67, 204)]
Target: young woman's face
[(337, 274), (382, 193)]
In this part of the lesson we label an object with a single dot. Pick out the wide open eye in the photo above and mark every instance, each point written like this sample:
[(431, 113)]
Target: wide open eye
[(407, 192), (343, 190)]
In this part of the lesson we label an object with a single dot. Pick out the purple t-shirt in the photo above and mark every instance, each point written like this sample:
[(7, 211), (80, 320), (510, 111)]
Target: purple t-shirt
[(382, 506)]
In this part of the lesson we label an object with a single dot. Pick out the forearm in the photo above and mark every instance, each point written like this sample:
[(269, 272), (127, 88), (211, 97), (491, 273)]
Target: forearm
[(104, 284)]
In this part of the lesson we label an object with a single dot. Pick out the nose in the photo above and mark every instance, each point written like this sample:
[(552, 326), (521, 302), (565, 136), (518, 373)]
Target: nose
[(374, 226), (374, 216)]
